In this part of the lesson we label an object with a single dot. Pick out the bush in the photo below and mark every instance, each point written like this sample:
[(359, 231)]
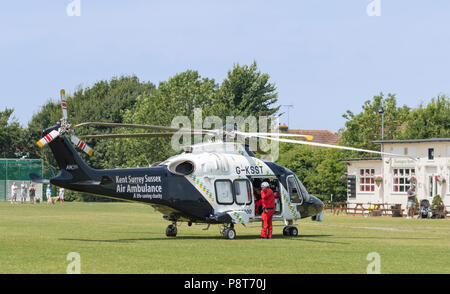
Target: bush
[(437, 201)]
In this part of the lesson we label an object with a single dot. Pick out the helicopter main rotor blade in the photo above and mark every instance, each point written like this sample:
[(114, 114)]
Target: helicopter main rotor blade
[(122, 125), (245, 134), (333, 146), (135, 135), (141, 126)]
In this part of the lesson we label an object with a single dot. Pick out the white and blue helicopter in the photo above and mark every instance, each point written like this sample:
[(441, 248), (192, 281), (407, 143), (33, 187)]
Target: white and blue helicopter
[(209, 183)]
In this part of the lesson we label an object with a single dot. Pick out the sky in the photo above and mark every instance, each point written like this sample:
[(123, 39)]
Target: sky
[(325, 57)]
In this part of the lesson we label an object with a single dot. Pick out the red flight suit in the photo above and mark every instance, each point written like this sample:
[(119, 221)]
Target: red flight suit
[(268, 204)]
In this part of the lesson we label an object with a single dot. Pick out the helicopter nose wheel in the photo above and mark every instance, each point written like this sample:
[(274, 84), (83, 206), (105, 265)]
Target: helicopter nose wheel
[(290, 231), (171, 230)]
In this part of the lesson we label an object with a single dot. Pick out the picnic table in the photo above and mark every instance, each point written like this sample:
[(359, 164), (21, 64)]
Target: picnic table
[(389, 209), (339, 207), (375, 209), (336, 207), (378, 209), (439, 212), (358, 209), (328, 205), (397, 210)]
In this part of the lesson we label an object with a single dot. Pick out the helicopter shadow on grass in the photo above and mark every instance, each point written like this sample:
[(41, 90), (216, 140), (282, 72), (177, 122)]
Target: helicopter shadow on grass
[(197, 237), (302, 238)]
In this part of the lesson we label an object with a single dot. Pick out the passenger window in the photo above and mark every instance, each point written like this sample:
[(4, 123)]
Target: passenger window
[(294, 191), (224, 192), (243, 192)]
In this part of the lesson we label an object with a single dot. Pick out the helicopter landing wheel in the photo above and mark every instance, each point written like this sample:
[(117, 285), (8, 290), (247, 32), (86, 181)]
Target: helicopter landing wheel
[(290, 231), (171, 231), (229, 233)]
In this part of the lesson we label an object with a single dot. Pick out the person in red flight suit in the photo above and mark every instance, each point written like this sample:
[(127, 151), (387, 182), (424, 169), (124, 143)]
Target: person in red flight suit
[(268, 204)]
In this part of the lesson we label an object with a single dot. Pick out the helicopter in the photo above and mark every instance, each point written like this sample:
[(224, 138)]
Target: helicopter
[(209, 183)]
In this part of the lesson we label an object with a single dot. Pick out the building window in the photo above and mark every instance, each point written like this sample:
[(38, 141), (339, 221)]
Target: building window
[(367, 180), (430, 153), (402, 179)]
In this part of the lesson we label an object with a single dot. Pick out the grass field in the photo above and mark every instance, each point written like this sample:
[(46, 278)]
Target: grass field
[(130, 238)]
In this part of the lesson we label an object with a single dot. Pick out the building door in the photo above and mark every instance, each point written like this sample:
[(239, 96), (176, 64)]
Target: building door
[(432, 186)]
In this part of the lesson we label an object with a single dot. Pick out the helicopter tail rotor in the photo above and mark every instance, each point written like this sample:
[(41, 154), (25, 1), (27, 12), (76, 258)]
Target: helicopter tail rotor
[(48, 138), (64, 128), (63, 103), (81, 144)]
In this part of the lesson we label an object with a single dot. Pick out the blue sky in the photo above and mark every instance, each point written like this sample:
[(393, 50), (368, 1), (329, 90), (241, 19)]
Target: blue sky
[(324, 56)]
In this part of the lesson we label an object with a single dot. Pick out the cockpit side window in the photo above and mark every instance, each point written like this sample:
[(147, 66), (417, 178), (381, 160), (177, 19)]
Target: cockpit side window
[(303, 190), (294, 190)]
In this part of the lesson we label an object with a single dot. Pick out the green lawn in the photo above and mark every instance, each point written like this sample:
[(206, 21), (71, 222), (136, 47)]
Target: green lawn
[(130, 238)]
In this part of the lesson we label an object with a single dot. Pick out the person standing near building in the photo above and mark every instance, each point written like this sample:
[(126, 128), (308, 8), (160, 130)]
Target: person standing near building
[(411, 202), (268, 204), (48, 194), (14, 193), (32, 193), (23, 193), (61, 195)]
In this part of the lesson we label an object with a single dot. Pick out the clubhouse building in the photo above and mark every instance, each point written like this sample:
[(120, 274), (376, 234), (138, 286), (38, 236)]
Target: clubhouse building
[(386, 179)]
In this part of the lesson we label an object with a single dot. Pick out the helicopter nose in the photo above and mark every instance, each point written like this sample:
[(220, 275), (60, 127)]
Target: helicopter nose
[(317, 209), (317, 203)]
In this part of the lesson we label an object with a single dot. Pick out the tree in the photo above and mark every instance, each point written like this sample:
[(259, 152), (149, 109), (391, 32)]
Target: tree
[(12, 136), (178, 96), (319, 169), (105, 101), (128, 100), (364, 128), (432, 121), (329, 175), (246, 92)]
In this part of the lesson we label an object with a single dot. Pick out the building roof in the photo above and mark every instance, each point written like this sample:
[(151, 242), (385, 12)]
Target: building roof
[(360, 159), (319, 136), (412, 141)]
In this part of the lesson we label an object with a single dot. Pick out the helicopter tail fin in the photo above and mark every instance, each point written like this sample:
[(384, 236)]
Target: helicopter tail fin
[(72, 166)]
